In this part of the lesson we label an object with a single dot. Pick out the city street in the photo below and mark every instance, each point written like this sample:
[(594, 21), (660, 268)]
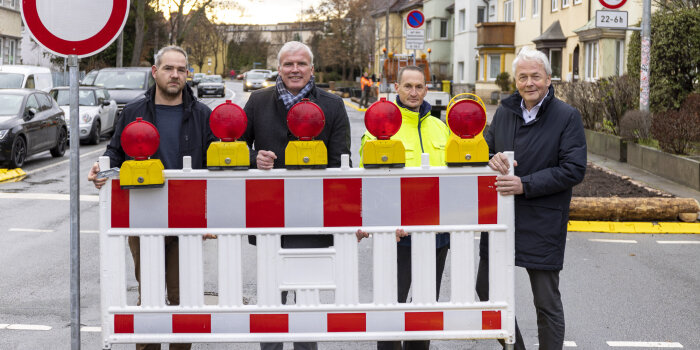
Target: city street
[(619, 290)]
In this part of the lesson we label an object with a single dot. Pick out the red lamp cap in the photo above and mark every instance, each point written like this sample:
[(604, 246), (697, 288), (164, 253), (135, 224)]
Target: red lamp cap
[(140, 139), (383, 119), (467, 118), (305, 120), (228, 121)]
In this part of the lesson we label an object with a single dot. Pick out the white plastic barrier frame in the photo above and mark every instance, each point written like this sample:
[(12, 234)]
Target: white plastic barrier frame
[(334, 268)]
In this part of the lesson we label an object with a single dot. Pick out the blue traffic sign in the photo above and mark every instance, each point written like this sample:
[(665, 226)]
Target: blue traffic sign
[(415, 19)]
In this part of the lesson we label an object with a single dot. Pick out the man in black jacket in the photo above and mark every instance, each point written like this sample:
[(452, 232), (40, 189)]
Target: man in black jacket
[(267, 133), (183, 125), (547, 137)]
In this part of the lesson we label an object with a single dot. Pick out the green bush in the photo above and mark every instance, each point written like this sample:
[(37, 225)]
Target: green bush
[(675, 57), (503, 81), (635, 126)]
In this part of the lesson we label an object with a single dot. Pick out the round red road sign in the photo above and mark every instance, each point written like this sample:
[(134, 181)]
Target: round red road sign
[(415, 19), (82, 29), (612, 4)]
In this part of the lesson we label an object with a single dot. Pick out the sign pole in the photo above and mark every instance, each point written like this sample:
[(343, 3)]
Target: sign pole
[(414, 57), (74, 205), (645, 57)]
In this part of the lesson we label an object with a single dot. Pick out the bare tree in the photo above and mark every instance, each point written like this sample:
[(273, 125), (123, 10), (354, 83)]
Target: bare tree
[(199, 41)]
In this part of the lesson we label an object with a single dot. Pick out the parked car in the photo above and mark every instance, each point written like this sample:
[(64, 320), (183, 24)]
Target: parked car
[(197, 78), (30, 122), (125, 84), (25, 77), (97, 111), (211, 85), (254, 81), (89, 78)]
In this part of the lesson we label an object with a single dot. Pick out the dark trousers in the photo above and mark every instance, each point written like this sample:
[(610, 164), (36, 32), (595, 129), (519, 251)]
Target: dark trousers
[(364, 100), (547, 299), (172, 280), (403, 273)]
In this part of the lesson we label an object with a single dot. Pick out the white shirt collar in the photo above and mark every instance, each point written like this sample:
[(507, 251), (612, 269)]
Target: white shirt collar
[(528, 116)]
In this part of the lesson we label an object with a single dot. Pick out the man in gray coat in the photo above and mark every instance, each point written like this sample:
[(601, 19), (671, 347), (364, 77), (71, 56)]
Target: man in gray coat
[(547, 137), (267, 133)]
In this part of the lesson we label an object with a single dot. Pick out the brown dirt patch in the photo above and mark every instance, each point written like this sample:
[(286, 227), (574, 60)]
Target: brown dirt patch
[(600, 182)]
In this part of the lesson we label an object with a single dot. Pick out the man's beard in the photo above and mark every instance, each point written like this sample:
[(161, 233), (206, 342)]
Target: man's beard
[(168, 91)]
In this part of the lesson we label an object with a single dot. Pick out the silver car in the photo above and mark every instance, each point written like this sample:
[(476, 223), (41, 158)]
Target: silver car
[(211, 85), (254, 81), (97, 111)]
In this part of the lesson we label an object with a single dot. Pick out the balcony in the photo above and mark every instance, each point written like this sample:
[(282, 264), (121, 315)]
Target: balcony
[(495, 34)]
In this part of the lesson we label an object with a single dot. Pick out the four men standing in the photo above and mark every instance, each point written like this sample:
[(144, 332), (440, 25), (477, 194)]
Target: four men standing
[(545, 133)]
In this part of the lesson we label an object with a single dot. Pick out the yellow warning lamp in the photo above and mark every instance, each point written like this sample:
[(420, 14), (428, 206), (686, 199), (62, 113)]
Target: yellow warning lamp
[(305, 120), (383, 120), (467, 119), (228, 122), (140, 140)]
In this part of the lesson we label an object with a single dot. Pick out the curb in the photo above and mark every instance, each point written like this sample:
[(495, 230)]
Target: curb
[(633, 227), (10, 174), (350, 104)]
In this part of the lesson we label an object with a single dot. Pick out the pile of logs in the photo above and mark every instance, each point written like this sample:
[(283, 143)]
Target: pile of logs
[(634, 209)]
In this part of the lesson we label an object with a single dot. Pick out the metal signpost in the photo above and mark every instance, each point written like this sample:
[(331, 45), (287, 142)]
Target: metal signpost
[(415, 38), (74, 29)]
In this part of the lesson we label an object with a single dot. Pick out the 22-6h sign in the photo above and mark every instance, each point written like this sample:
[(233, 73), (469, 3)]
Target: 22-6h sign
[(75, 27)]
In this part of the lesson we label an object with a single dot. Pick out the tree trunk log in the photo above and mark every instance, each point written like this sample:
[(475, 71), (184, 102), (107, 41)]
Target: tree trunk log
[(596, 208)]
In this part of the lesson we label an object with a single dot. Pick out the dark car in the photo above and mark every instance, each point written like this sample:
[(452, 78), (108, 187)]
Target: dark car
[(197, 78), (125, 84), (30, 122), (211, 85)]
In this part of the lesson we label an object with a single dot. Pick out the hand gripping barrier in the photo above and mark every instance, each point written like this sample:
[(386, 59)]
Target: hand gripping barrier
[(268, 204)]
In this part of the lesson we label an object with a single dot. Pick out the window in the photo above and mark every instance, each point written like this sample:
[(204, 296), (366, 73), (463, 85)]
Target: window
[(576, 2), (480, 14), (591, 60), (31, 103), (443, 29), (522, 9), (535, 8), (460, 71), (555, 5), (492, 10), (12, 53), (462, 20), (429, 30), (555, 61), (565, 3), (494, 66), (508, 11), (620, 57)]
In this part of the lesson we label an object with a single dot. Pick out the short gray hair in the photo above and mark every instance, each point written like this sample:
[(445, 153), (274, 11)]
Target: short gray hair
[(294, 46), (528, 54), (411, 68), (158, 56)]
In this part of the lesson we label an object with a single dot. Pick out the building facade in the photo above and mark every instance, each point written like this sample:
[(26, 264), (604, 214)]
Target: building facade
[(10, 32), (439, 38)]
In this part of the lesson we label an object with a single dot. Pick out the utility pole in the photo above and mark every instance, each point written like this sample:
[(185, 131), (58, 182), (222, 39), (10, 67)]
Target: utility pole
[(120, 50), (645, 57)]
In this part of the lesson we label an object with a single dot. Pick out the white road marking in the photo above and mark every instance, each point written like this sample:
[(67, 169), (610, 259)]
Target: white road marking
[(89, 231), (612, 240), (3, 325), (678, 242), (91, 329), (63, 162), (17, 229), (48, 196), (29, 327), (644, 344), (570, 344)]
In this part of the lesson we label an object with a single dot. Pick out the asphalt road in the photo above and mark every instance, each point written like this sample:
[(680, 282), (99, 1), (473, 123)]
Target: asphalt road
[(616, 288)]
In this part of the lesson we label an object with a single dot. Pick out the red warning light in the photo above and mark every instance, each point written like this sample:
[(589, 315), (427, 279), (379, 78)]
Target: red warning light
[(228, 121), (466, 118), (383, 119), (305, 120), (140, 139)]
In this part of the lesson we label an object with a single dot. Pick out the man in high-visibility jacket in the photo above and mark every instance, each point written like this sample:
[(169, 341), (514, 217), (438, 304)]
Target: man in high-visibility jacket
[(420, 132), (366, 87)]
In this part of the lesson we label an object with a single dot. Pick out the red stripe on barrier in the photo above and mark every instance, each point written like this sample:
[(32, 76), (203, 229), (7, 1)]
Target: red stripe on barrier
[(264, 203), (197, 323), (187, 203), (420, 201), (269, 323), (488, 200), (351, 322), (424, 321), (120, 205), (342, 202), (490, 320), (123, 323)]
